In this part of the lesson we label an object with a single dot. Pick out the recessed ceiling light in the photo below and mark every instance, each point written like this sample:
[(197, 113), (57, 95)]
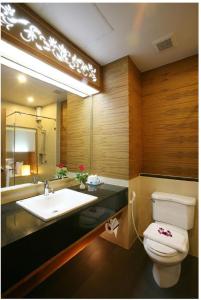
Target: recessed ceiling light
[(30, 99), (21, 78)]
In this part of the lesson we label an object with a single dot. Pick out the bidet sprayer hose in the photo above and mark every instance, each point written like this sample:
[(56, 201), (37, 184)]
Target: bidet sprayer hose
[(132, 215)]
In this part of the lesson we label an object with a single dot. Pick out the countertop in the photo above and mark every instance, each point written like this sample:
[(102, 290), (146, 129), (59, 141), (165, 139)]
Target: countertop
[(18, 223), (27, 241)]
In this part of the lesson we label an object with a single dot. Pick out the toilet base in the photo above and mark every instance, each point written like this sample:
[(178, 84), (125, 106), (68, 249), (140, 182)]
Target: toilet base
[(166, 276)]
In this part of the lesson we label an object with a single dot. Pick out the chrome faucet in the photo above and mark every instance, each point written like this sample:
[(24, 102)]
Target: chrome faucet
[(46, 187)]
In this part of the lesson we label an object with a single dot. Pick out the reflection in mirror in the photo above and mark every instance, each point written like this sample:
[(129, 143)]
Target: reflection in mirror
[(42, 126), (21, 154)]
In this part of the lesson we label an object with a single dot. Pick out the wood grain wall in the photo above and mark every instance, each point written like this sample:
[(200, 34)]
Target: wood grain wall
[(110, 154), (75, 132), (102, 128), (112, 131), (170, 119), (162, 101), (135, 120), (63, 133)]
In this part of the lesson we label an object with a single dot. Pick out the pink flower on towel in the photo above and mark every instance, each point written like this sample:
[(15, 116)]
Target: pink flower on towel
[(162, 231)]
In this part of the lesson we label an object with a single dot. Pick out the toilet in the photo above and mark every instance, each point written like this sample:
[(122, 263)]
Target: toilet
[(166, 240)]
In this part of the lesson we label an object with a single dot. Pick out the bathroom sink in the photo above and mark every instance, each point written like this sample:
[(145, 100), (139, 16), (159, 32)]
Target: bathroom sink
[(55, 204)]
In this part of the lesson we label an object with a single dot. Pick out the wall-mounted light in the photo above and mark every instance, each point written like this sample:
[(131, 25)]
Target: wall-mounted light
[(26, 170), (22, 61), (30, 99), (21, 78)]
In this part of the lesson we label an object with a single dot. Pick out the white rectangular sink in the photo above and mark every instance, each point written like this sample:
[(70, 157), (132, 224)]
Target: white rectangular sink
[(55, 204)]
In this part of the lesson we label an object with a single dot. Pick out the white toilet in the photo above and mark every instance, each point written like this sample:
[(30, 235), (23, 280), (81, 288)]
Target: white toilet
[(166, 240)]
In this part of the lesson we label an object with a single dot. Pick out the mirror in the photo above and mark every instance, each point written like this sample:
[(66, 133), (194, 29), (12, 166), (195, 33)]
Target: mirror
[(42, 126)]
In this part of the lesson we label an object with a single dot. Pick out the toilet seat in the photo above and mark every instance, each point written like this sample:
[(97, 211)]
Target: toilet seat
[(173, 257), (160, 249)]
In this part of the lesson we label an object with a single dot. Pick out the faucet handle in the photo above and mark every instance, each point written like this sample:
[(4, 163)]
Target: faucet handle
[(46, 183), (35, 179)]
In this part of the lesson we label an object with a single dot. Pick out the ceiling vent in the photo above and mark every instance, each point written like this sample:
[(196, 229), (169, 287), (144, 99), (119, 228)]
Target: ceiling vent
[(164, 43)]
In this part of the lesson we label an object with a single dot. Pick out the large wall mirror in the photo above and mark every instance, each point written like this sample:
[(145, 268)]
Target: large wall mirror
[(42, 126)]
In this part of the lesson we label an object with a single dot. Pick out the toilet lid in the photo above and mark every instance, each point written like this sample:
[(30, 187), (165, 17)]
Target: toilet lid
[(160, 249)]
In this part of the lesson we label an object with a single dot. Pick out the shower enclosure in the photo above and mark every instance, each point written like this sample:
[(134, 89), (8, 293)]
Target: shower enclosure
[(30, 148)]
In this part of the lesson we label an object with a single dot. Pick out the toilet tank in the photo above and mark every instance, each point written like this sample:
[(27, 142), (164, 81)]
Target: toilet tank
[(173, 209)]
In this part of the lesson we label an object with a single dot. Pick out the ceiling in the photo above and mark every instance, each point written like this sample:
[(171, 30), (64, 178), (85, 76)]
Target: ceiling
[(109, 31), (42, 92)]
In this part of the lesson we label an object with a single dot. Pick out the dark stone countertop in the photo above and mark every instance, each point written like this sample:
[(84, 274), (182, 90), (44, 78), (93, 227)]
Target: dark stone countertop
[(27, 241)]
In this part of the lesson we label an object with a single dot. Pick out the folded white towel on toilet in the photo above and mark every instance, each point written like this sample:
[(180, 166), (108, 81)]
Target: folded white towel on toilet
[(167, 235)]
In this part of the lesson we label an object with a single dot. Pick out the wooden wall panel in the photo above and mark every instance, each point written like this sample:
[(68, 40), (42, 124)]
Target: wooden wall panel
[(135, 120), (110, 156), (112, 132), (63, 133), (170, 119), (78, 132)]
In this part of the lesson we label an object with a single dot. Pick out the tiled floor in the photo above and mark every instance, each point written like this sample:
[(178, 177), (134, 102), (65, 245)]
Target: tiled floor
[(104, 270)]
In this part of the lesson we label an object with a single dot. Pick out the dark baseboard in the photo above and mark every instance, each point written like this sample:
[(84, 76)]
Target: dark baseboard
[(169, 177)]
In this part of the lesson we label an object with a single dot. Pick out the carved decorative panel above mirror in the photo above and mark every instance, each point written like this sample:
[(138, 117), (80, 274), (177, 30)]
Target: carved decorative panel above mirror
[(26, 30)]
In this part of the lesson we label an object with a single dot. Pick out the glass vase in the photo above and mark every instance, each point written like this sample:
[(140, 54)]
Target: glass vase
[(82, 185)]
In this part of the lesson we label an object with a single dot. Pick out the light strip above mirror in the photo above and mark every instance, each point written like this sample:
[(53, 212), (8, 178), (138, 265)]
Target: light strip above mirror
[(35, 45), (23, 62)]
